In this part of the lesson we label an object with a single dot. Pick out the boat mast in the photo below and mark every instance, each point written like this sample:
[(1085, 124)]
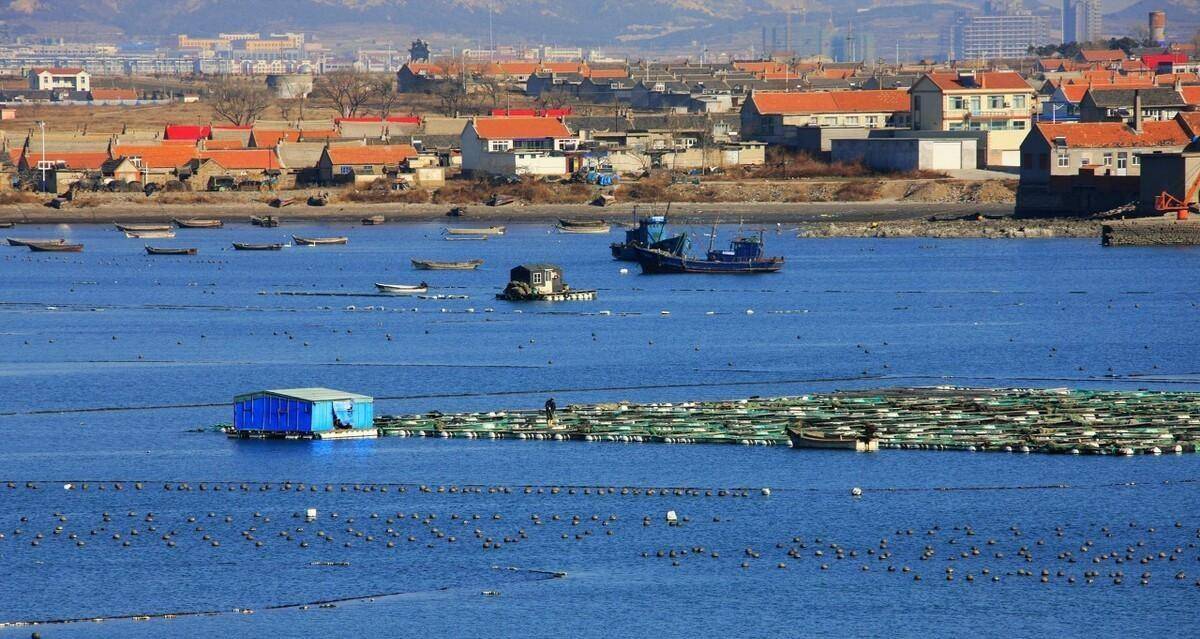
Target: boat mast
[(712, 236)]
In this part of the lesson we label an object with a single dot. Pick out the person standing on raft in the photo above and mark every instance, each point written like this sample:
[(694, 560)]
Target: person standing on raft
[(550, 408)]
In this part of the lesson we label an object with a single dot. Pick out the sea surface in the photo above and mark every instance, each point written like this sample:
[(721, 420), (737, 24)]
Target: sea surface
[(115, 366)]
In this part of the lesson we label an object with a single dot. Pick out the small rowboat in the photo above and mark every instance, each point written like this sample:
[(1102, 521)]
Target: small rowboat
[(500, 200), (54, 247), (149, 235), (16, 241), (373, 220), (591, 229), (316, 241), (491, 230), (6, 225), (280, 202), (142, 228), (402, 289), (154, 250), (802, 438), (582, 223), (257, 247), (465, 238), (197, 223), (430, 265), (267, 221)]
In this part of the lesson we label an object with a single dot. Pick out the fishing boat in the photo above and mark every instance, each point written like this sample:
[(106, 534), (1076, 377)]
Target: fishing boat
[(373, 220), (490, 230), (581, 224), (241, 246), (54, 247), (745, 255), (16, 241), (266, 221), (589, 230), (431, 265), (6, 225), (500, 200), (650, 232), (805, 438), (157, 250), (319, 241), (197, 223), (281, 202), (465, 238), (150, 235), (142, 228), (402, 289)]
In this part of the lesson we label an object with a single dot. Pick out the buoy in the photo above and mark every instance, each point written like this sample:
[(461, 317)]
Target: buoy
[(856, 492)]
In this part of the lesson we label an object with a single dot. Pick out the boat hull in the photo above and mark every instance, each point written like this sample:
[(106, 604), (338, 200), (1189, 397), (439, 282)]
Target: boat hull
[(429, 265), (491, 230), (319, 241), (170, 251), (257, 247), (627, 251), (16, 241), (198, 224), (659, 262), (401, 289), (55, 247), (805, 439)]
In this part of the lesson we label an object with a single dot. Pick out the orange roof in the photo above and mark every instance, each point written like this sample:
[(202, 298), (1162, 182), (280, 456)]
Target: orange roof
[(114, 94), (377, 154), (760, 66), (1102, 55), (58, 70), (319, 134), (225, 144), (262, 138), (1075, 92), (1191, 122), (156, 156), (261, 159), (1115, 134), (512, 68), (1170, 78), (607, 73), (520, 128), (564, 67), (1191, 94), (983, 80), (883, 101), (836, 74), (71, 159)]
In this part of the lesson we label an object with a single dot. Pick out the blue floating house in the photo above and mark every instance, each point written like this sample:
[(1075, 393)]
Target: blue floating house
[(316, 413)]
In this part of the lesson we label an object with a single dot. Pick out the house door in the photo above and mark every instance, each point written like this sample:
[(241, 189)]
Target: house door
[(1122, 163), (945, 156)]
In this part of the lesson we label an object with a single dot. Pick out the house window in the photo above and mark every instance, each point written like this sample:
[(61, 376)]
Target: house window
[(829, 121), (812, 121), (498, 146), (368, 169), (1137, 160), (1108, 159), (1085, 160), (1018, 102), (852, 120), (1018, 124), (956, 126), (995, 102), (537, 278), (1122, 161), (956, 102), (872, 120), (1064, 160), (1026, 160), (975, 102), (345, 170)]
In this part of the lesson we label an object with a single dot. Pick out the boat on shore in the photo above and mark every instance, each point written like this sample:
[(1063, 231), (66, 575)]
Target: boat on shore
[(744, 256), (242, 246), (265, 221), (159, 250), (150, 235), (319, 241), (373, 220), (142, 228), (431, 265), (402, 289), (583, 226), (54, 247), (807, 438), (281, 202), (318, 200), (650, 232), (198, 223), (17, 241), (490, 230)]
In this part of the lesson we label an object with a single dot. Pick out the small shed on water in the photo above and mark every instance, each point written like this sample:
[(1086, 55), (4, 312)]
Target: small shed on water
[(541, 278), (302, 411)]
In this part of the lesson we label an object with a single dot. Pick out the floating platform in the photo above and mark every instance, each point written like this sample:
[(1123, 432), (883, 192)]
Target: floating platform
[(348, 433), (563, 296)]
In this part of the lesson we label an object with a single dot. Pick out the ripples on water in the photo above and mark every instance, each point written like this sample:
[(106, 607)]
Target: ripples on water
[(113, 327)]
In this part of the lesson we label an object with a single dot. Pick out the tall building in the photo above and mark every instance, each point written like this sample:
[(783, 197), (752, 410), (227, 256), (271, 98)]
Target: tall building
[(1005, 30), (1081, 20)]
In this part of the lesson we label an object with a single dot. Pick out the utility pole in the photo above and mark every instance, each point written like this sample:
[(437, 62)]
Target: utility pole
[(42, 164)]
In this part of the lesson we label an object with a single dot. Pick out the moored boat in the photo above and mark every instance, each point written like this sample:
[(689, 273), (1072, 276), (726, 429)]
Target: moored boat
[(374, 220), (159, 250), (588, 230), (500, 200), (267, 221), (242, 246), (431, 265), (805, 438), (281, 202), (142, 228), (17, 241), (572, 224), (650, 232), (54, 247), (150, 235), (6, 225), (402, 289), (197, 223), (466, 238), (489, 230), (318, 241), (744, 256)]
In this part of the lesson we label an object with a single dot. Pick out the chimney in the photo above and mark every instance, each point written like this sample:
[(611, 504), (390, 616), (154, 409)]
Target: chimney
[(1137, 110)]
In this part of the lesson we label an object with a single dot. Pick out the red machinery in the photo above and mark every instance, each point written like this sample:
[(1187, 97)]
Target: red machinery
[(1167, 203)]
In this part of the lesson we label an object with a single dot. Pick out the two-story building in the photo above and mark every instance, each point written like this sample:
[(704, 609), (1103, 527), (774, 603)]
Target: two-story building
[(60, 79), (360, 164), (1000, 103), (516, 146), (810, 120), (1125, 104)]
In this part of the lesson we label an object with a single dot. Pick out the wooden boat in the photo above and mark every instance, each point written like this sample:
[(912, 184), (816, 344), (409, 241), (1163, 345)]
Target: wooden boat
[(500, 200), (465, 238), (318, 200), (595, 230), (149, 235), (430, 265), (802, 438), (318, 241), (745, 255), (490, 230), (374, 220), (402, 289), (142, 228), (16, 241), (54, 247), (156, 250), (241, 246), (565, 223), (6, 225), (197, 223), (266, 221), (281, 202)]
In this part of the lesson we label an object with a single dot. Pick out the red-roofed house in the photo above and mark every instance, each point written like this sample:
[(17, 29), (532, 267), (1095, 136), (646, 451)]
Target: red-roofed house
[(774, 117), (224, 169), (362, 163), (516, 146), (60, 79), (156, 163), (1102, 55), (186, 132), (61, 169), (998, 102), (1107, 148)]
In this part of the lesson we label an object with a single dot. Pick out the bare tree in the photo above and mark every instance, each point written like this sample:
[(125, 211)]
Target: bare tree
[(239, 101), (491, 87), (386, 95), (451, 98), (348, 90)]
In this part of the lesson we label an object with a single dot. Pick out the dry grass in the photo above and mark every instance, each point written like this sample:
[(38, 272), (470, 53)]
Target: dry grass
[(782, 164), (528, 190), (383, 196), (859, 191), (20, 197), (183, 198)]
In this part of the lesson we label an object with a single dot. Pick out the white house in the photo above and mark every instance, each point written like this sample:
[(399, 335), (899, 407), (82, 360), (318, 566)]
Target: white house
[(516, 146), (58, 79)]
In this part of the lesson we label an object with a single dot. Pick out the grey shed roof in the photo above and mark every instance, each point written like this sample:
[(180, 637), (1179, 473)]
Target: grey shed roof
[(1125, 97), (317, 394), (539, 266)]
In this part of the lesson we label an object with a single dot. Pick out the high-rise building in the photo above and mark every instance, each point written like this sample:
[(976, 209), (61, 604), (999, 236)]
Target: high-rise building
[(1081, 20), (1004, 31)]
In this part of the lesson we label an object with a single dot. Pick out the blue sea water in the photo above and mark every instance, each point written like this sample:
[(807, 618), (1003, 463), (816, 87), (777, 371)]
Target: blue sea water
[(177, 337)]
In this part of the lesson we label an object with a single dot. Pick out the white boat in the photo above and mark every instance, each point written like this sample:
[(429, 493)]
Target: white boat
[(149, 235), (491, 230), (402, 289), (465, 238), (595, 230)]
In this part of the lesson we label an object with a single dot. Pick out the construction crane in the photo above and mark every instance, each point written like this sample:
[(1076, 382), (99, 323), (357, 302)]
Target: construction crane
[(1166, 203)]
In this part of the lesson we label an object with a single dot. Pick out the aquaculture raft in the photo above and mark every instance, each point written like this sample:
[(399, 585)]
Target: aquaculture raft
[(1010, 420)]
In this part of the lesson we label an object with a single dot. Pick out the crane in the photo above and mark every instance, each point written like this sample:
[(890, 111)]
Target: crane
[(1166, 203)]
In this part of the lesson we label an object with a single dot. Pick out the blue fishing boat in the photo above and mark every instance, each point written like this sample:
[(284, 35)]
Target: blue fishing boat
[(649, 233), (744, 255)]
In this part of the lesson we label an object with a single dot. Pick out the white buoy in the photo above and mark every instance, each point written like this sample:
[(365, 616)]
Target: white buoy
[(749, 311), (856, 492), (68, 486), (310, 514), (672, 518), (624, 271), (766, 492), (664, 312)]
